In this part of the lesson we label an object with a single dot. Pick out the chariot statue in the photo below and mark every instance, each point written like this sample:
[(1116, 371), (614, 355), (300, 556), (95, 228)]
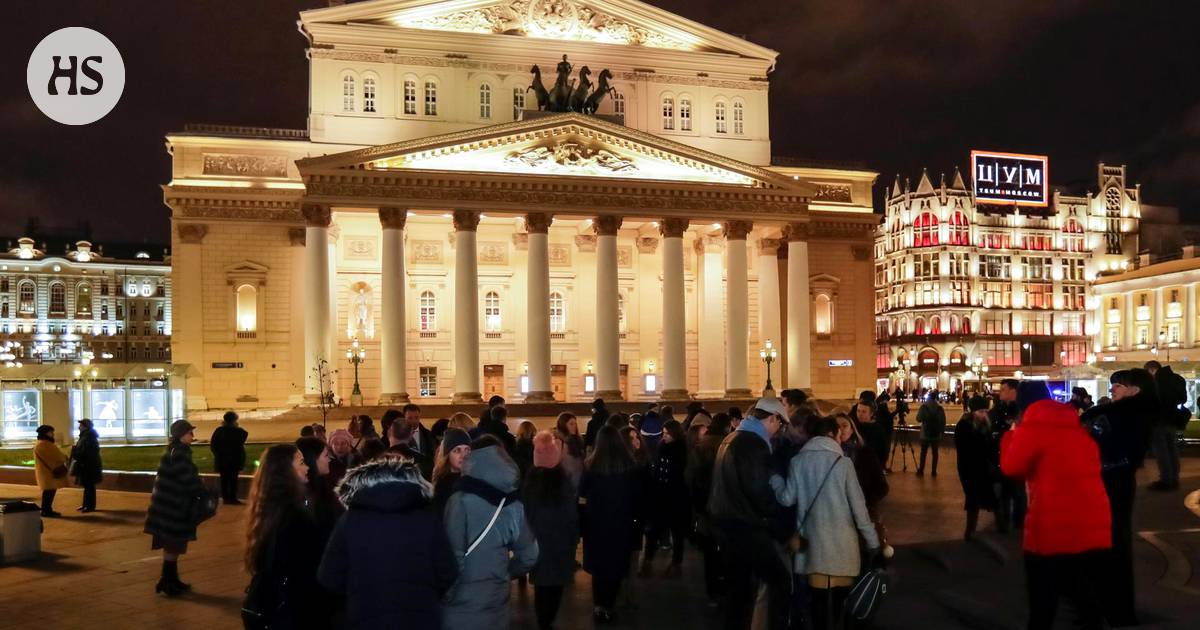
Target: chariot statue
[(571, 95)]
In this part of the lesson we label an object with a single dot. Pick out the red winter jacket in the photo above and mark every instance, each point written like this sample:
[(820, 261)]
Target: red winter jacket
[(1053, 453)]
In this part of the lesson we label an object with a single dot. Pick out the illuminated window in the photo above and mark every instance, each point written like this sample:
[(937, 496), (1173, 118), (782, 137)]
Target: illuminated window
[(410, 97), (1074, 352), (621, 322), (83, 300), (369, 94), (347, 92), (485, 101), (960, 229), (739, 118), (427, 380), (619, 104), (58, 299), (668, 113), (491, 311), (1143, 335), (1114, 337), (719, 117), (1173, 332), (925, 230), (919, 326), (247, 308), (518, 102), (431, 98), (823, 314), (685, 114), (1072, 236), (558, 313), (427, 308)]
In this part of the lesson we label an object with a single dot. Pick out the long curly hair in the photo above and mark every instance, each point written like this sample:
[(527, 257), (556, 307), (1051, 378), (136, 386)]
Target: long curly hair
[(275, 493)]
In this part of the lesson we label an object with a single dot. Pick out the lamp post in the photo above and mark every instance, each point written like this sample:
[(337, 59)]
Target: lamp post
[(1028, 352), (1162, 343), (768, 354), (356, 354)]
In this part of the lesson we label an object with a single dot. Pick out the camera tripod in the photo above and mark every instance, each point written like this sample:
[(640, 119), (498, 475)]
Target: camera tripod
[(901, 442)]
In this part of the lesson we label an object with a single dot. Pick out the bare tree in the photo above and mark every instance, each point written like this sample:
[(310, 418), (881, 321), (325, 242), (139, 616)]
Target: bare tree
[(323, 374)]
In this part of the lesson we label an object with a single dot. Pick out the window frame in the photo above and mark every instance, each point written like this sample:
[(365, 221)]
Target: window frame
[(685, 113), (370, 94), (427, 311), (739, 118), (558, 321), (409, 107), (492, 312), (720, 120), (349, 92), (667, 120), (485, 100), (430, 97)]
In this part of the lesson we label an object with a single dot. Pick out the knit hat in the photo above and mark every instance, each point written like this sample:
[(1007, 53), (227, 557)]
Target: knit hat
[(180, 428), (1029, 392), (652, 424), (455, 438), (977, 403), (701, 419), (547, 453)]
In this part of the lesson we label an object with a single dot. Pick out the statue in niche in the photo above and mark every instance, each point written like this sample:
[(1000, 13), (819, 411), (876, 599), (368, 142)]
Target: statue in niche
[(362, 324)]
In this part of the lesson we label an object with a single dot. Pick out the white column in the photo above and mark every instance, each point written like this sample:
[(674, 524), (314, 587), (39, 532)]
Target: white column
[(674, 367), (608, 341), (799, 351), (710, 341), (1189, 316), (537, 313), (1129, 323), (317, 327), (768, 296), (737, 310), (1157, 319), (392, 341), (467, 385)]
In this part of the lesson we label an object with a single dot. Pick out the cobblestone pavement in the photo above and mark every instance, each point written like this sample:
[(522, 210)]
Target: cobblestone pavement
[(98, 571)]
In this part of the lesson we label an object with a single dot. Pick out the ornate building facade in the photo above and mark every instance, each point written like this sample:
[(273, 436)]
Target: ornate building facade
[(445, 213), (966, 291)]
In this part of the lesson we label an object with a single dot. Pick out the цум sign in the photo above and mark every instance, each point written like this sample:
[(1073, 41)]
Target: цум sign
[(1010, 178)]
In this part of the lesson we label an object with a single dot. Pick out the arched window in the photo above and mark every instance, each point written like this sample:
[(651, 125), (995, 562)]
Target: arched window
[(247, 308), (410, 97), (618, 104), (431, 100), (960, 229), (428, 312), (919, 326), (83, 300), (719, 117), (823, 314), (954, 324), (966, 325), (347, 92), (935, 325), (58, 299), (518, 102), (1073, 236), (685, 113), (739, 118), (902, 328), (369, 94), (485, 101), (558, 313), (491, 311), (621, 322), (925, 230), (668, 113)]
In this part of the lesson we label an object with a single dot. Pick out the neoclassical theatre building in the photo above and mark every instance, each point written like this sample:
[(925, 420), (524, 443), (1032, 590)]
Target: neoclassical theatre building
[(543, 199)]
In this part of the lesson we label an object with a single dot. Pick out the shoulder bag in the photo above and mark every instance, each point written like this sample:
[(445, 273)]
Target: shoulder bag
[(487, 529), (867, 594), (798, 543)]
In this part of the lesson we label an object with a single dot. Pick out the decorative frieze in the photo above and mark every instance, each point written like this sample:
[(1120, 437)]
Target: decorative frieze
[(493, 253), (837, 193), (359, 247), (560, 255), (425, 252), (245, 165)]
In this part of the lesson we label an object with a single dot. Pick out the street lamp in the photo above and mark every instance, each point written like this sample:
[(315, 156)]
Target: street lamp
[(1029, 358), (356, 354), (768, 355)]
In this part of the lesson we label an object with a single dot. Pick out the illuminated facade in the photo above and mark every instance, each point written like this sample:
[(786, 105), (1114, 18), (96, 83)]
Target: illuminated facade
[(1148, 312), (475, 246), (960, 285)]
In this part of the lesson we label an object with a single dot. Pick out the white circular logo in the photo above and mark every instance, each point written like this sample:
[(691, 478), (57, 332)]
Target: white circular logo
[(75, 75)]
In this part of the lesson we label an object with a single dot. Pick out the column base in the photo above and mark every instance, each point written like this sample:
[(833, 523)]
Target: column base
[(394, 399), (610, 396), (539, 397), (714, 394), (466, 398), (738, 393), (675, 394)]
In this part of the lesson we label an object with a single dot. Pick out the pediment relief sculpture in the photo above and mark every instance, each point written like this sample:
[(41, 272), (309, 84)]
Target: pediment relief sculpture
[(571, 157)]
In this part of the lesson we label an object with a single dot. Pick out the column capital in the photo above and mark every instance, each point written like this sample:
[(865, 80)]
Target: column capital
[(538, 222), (647, 244), (316, 214), (769, 246), (737, 230), (296, 236), (466, 220), (795, 232), (672, 228), (709, 244), (392, 218), (192, 233), (521, 241), (606, 225)]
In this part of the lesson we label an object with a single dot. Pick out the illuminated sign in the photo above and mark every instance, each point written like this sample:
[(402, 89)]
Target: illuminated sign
[(1010, 178), (841, 363)]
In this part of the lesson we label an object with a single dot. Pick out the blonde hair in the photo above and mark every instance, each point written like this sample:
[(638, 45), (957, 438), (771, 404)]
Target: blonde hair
[(462, 421), (526, 430)]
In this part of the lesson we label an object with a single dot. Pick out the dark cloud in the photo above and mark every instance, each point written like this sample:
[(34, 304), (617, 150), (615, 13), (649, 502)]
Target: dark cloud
[(898, 85)]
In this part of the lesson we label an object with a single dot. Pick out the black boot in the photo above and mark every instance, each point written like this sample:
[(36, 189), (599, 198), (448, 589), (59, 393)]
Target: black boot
[(172, 574), (165, 585)]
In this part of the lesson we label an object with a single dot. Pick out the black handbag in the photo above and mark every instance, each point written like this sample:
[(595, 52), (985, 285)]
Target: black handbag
[(204, 506), (867, 594)]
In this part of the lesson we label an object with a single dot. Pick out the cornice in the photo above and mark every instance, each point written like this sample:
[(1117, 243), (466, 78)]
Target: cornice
[(233, 204)]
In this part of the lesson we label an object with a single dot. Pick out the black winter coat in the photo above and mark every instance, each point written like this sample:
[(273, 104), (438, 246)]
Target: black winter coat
[(1121, 430), (741, 490), (291, 568), (555, 524), (977, 468), (669, 500), (497, 429), (1172, 392), (85, 458), (177, 487), (609, 522), (228, 446), (599, 417)]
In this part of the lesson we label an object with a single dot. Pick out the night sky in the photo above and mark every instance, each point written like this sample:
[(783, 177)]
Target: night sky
[(896, 85)]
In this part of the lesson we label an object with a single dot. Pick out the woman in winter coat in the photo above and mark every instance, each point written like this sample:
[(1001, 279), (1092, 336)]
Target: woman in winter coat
[(566, 429), (867, 468), (669, 502), (388, 556), (49, 468), (610, 493), (977, 468), (86, 465), (284, 542), (551, 506), (599, 418), (523, 453), (492, 542), (832, 515), (448, 466), (1068, 526), (170, 518)]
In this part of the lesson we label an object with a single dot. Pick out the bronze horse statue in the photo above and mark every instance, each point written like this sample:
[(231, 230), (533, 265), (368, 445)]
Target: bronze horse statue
[(602, 89), (539, 90), (560, 96), (580, 95)]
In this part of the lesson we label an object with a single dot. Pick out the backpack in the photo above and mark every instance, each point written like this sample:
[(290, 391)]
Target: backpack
[(867, 594)]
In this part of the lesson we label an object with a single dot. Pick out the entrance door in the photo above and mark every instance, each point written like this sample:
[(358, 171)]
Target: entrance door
[(558, 382), (624, 381), (493, 381)]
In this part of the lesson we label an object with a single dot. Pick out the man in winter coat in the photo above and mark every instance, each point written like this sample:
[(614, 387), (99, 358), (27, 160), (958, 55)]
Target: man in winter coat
[(1171, 418), (86, 465), (228, 446), (932, 419), (421, 442), (488, 556), (599, 417), (389, 555), (1010, 512), (699, 475), (977, 465), (1068, 527), (741, 507)]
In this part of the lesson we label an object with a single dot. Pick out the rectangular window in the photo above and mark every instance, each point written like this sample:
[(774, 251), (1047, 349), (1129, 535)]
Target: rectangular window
[(1040, 295), (369, 95), (1036, 268), (518, 102), (995, 324), (668, 113), (1007, 353), (685, 114), (1074, 352), (104, 286), (994, 267), (4, 284), (997, 294), (1072, 324), (925, 266), (1073, 297), (719, 118), (1073, 269), (739, 119), (428, 381), (1114, 337), (410, 98), (1143, 335), (485, 101), (959, 265), (431, 103), (619, 104)]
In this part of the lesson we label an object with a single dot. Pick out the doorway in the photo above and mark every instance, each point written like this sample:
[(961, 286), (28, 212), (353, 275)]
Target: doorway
[(493, 381), (558, 382)]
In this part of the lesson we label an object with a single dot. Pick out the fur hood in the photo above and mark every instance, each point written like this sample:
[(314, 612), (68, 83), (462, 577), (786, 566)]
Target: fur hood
[(386, 484)]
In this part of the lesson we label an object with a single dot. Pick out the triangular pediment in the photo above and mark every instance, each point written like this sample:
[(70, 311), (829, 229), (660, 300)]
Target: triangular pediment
[(624, 22), (570, 144)]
